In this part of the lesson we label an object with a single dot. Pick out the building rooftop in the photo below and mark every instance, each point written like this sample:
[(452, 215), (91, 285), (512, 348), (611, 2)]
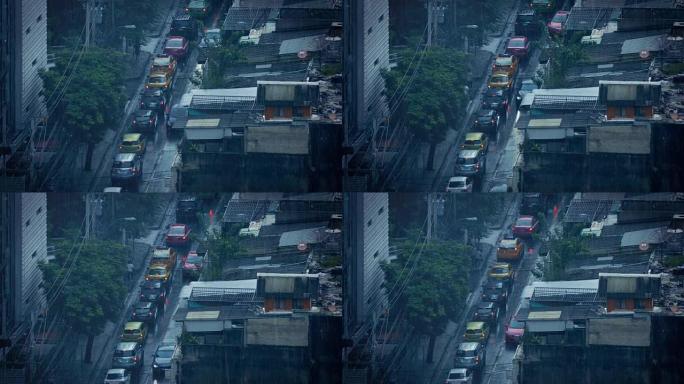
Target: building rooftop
[(586, 211)]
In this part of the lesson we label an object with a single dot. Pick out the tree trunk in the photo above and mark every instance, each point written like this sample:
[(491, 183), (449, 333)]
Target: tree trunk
[(431, 156), (431, 348), (89, 349), (89, 156)]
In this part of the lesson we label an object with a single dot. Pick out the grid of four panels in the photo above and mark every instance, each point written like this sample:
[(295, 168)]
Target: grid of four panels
[(341, 191)]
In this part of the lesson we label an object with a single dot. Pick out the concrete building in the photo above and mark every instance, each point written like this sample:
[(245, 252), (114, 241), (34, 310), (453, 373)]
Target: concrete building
[(23, 242), (366, 51), (23, 52), (366, 247)]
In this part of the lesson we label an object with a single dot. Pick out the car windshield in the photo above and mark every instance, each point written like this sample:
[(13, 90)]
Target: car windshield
[(517, 43), (123, 164), (165, 353), (141, 311), (499, 270), (503, 61), (559, 18), (150, 99), (156, 272), (121, 353), (463, 353), (130, 142), (186, 204), (462, 160), (524, 222), (516, 324), (456, 375), (473, 143), (174, 43), (157, 80), (177, 231), (114, 376), (194, 259), (456, 184), (500, 79)]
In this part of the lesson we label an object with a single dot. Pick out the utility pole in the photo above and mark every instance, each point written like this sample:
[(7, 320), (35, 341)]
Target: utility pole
[(430, 7), (435, 208), (88, 21), (88, 216), (430, 216)]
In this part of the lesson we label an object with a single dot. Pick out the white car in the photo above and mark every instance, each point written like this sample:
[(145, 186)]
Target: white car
[(460, 184), (460, 376), (117, 376)]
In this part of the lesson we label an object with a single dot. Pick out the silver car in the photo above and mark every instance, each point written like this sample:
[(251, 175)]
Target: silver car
[(471, 355), (117, 376), (460, 376), (470, 162)]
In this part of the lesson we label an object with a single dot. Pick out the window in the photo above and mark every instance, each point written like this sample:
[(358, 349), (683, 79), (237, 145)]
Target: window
[(28, 30), (39, 210), (376, 254), (370, 222), (376, 62), (34, 254), (28, 222), (370, 30), (381, 18), (381, 210), (34, 62), (39, 18)]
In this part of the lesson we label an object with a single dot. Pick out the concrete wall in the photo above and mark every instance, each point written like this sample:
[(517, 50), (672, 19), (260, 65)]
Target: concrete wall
[(619, 331), (278, 331)]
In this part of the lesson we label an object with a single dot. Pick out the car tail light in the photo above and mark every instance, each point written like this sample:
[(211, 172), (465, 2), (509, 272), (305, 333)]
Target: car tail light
[(505, 102), (151, 119), (529, 229), (493, 120), (477, 359)]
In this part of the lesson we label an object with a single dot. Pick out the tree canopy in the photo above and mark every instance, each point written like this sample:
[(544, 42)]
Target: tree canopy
[(221, 248), (563, 247), (92, 283), (436, 290), (431, 97), (91, 92)]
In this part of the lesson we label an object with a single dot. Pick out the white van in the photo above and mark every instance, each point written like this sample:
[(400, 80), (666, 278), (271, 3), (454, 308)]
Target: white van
[(179, 110)]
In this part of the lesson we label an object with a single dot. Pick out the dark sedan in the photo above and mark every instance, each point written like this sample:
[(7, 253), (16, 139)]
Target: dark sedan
[(496, 99), (153, 99), (486, 311), (144, 120), (153, 291), (487, 120), (145, 311), (495, 291)]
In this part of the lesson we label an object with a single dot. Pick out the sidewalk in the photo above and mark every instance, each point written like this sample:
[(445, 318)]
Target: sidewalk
[(73, 177)]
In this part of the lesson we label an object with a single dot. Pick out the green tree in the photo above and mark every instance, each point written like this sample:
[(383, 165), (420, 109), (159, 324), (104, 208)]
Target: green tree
[(433, 93), (220, 58), (221, 248), (563, 247), (92, 96), (563, 57), (88, 284), (435, 291)]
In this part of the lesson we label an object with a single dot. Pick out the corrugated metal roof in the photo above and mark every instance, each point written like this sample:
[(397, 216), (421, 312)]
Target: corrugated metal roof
[(648, 236), (307, 43), (651, 44), (302, 236)]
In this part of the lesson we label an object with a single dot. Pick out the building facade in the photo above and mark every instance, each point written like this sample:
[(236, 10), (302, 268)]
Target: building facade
[(366, 248), (23, 52), (366, 54)]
